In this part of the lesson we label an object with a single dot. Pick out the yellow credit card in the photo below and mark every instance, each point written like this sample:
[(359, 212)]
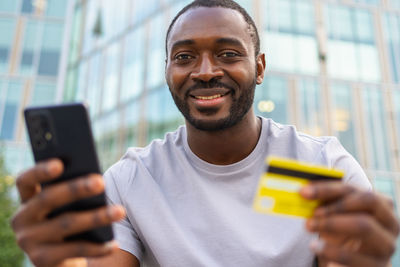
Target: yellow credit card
[(278, 189)]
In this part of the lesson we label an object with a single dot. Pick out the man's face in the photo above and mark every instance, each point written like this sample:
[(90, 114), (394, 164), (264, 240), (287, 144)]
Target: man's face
[(211, 68)]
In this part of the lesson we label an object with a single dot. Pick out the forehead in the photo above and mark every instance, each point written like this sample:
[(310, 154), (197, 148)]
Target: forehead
[(206, 22)]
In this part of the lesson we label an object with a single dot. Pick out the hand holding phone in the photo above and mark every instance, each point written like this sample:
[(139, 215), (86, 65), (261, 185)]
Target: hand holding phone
[(47, 227)]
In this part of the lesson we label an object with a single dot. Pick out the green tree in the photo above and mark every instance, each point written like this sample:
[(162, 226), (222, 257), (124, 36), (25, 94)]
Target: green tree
[(10, 254)]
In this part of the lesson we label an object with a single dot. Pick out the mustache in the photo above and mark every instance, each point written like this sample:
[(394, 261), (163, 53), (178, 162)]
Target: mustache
[(208, 85)]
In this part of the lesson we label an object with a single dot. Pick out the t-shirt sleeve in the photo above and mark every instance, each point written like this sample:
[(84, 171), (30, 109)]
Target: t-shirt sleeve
[(337, 157), (124, 233)]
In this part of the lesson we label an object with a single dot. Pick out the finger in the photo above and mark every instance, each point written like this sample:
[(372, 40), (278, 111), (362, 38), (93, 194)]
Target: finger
[(375, 239), (56, 196), (377, 205), (337, 254), (51, 255), (68, 224), (28, 182), (326, 191)]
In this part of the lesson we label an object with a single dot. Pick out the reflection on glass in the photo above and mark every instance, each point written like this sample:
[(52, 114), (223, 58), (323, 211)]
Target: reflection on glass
[(311, 117), (343, 116), (94, 84), (396, 105), (272, 92), (27, 6), (7, 28), (111, 80), (162, 114), (132, 76), (156, 52), (44, 93), (10, 111), (352, 53), (56, 8), (30, 47), (392, 39), (376, 132), (289, 36), (8, 6), (50, 51)]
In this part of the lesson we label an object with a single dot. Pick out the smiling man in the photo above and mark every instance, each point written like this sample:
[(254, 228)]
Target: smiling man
[(187, 199)]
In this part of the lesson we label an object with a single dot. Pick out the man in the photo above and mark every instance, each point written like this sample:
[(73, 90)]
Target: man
[(187, 199)]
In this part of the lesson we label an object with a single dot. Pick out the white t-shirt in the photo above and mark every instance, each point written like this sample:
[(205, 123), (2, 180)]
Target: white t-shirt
[(183, 211)]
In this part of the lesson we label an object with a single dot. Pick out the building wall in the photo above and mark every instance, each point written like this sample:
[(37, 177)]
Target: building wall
[(31, 43), (333, 68)]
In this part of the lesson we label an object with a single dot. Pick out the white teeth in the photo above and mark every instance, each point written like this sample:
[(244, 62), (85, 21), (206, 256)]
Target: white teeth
[(208, 97)]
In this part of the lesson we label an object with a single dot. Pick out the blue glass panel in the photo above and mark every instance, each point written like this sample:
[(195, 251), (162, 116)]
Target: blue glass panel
[(8, 6), (271, 99), (27, 6), (343, 116), (10, 110), (311, 117), (48, 64), (56, 8)]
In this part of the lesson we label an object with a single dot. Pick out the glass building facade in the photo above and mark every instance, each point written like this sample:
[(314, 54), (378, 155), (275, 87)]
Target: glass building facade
[(333, 68), (32, 40)]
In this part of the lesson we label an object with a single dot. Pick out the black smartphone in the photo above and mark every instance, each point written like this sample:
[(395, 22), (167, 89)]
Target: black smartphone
[(64, 132)]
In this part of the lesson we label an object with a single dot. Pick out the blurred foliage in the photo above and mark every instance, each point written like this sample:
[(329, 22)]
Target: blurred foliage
[(10, 254)]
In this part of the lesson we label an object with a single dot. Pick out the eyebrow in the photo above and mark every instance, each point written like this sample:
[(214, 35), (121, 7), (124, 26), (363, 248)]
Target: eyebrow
[(182, 43), (225, 40), (231, 41)]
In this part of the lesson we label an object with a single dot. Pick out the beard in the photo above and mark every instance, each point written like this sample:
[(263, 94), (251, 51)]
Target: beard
[(239, 108)]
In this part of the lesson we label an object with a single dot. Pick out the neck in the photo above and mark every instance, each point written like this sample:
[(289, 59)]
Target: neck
[(226, 146)]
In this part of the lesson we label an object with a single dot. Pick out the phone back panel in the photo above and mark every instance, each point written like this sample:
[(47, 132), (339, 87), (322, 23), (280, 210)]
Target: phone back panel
[(64, 132)]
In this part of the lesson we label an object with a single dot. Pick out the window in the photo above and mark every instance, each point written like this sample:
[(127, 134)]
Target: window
[(162, 114), (94, 84), (56, 8), (271, 99), (111, 79), (142, 9), (156, 52), (44, 93), (311, 117), (376, 132), (8, 6), (30, 47), (352, 54), (10, 112), (391, 29), (7, 29), (27, 6), (396, 105), (343, 116), (131, 122), (50, 50), (133, 71), (289, 36)]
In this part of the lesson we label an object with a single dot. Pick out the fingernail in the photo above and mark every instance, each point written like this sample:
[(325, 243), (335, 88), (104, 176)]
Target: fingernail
[(307, 191), (116, 211), (317, 245), (111, 245)]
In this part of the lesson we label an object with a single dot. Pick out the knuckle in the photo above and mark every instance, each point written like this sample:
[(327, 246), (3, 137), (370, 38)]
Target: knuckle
[(66, 221), (364, 224), (391, 248), (23, 239), (369, 198), (343, 256), (38, 257)]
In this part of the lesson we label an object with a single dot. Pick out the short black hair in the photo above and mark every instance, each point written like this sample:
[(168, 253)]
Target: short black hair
[(224, 4)]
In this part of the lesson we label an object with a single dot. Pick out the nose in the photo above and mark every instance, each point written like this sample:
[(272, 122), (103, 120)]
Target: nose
[(206, 69)]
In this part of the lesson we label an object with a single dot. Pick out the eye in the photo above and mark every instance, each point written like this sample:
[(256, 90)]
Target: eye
[(229, 54), (182, 57)]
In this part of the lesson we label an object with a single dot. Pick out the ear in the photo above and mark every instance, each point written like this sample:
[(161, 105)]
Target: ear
[(260, 61)]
